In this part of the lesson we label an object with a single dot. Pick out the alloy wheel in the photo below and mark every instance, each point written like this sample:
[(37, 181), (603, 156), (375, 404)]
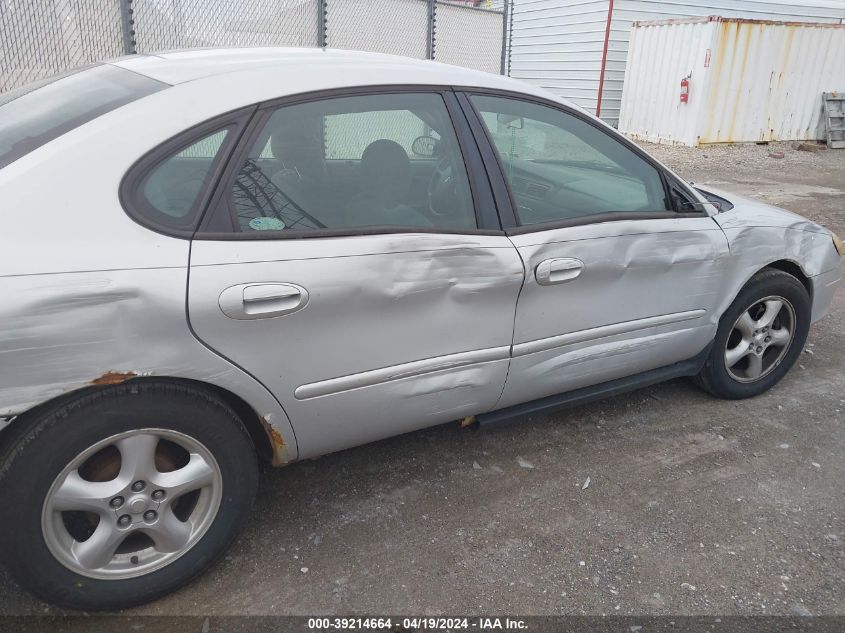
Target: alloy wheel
[(131, 504), (759, 339)]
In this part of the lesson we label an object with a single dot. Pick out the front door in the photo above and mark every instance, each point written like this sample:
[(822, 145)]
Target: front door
[(345, 266), (622, 263)]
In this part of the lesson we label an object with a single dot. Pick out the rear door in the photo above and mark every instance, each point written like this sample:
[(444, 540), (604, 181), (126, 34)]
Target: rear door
[(367, 306), (622, 266)]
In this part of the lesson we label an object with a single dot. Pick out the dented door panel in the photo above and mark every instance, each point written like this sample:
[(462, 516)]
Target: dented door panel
[(646, 296), (547, 372), (399, 332)]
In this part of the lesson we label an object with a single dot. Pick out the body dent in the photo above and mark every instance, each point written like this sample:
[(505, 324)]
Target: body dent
[(67, 332)]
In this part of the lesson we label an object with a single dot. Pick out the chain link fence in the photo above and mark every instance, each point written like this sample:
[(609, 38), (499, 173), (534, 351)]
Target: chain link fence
[(39, 38), (399, 27), (463, 33), (169, 24)]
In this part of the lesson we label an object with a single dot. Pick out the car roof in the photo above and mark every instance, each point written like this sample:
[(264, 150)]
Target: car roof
[(335, 66)]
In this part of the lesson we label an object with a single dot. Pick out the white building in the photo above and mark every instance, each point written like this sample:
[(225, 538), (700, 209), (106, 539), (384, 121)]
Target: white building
[(578, 48)]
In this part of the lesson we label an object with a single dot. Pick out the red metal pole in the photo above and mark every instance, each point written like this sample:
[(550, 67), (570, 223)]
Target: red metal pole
[(604, 54)]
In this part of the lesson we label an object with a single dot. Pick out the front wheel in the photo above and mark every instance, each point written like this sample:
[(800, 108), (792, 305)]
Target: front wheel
[(124, 494), (760, 337)]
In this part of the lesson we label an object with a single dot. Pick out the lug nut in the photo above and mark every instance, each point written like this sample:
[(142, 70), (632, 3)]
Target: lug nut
[(158, 495), (138, 486), (759, 349), (150, 515), (116, 502), (124, 520), (768, 339)]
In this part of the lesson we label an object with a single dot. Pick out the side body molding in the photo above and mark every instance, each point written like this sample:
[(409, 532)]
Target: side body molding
[(595, 333), (398, 372)]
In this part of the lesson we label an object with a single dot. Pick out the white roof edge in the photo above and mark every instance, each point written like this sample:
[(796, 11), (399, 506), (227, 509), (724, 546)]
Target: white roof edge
[(179, 66), (340, 68)]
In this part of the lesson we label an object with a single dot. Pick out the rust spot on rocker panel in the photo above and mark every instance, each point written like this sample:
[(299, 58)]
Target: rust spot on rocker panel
[(113, 378), (276, 437), (276, 440)]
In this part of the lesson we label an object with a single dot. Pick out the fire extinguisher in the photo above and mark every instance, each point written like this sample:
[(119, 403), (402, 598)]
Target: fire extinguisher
[(685, 89)]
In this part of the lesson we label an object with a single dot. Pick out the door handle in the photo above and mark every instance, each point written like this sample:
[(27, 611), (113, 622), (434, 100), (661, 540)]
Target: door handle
[(262, 300), (558, 271)]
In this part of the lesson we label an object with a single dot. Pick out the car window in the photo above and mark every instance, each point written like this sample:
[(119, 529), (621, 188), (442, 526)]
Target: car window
[(37, 113), (560, 167), (383, 160), (348, 134), (172, 188)]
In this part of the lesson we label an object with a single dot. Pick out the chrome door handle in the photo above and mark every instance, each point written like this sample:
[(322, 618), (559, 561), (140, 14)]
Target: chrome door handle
[(557, 271), (262, 300)]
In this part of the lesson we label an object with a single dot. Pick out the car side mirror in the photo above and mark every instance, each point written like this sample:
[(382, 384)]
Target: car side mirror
[(510, 121), (424, 146)]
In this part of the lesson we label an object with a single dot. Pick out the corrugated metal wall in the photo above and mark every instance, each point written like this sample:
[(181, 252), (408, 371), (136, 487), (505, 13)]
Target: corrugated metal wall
[(766, 81), (659, 55), (558, 43), (749, 80)]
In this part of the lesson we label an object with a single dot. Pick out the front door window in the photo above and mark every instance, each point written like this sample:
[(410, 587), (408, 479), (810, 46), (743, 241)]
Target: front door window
[(561, 167)]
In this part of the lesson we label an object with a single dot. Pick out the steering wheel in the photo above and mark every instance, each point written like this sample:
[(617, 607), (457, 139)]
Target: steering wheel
[(442, 187)]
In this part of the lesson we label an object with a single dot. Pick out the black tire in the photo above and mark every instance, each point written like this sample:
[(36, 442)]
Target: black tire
[(40, 446), (715, 377)]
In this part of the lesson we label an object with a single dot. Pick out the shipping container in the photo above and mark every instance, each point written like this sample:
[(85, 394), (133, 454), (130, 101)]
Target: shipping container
[(578, 48), (717, 80)]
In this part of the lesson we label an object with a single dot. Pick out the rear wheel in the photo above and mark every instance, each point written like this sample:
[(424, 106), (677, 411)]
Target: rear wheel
[(759, 338), (124, 494)]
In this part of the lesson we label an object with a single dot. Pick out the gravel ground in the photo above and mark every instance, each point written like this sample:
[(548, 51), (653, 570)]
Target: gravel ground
[(694, 505)]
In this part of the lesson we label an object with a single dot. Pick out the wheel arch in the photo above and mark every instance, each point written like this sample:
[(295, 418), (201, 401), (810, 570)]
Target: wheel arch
[(262, 434), (264, 438), (717, 382), (792, 268), (788, 266)]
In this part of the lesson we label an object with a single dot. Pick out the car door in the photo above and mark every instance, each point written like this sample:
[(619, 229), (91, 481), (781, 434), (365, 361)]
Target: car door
[(622, 262), (365, 310)]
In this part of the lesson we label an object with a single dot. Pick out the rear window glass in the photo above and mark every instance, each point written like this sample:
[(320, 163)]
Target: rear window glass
[(38, 113), (173, 187)]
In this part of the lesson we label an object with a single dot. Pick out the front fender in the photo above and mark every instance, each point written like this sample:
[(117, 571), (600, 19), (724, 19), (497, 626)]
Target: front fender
[(760, 235)]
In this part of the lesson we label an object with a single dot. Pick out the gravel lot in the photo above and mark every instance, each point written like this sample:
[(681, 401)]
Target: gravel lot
[(694, 505)]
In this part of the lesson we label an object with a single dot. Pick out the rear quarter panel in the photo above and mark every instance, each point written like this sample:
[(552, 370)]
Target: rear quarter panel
[(67, 331), (89, 296)]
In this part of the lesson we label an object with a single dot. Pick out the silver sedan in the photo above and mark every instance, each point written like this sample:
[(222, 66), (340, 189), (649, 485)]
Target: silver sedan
[(216, 258)]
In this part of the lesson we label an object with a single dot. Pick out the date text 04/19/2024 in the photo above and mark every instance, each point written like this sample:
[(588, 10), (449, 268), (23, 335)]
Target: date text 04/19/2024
[(417, 623)]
